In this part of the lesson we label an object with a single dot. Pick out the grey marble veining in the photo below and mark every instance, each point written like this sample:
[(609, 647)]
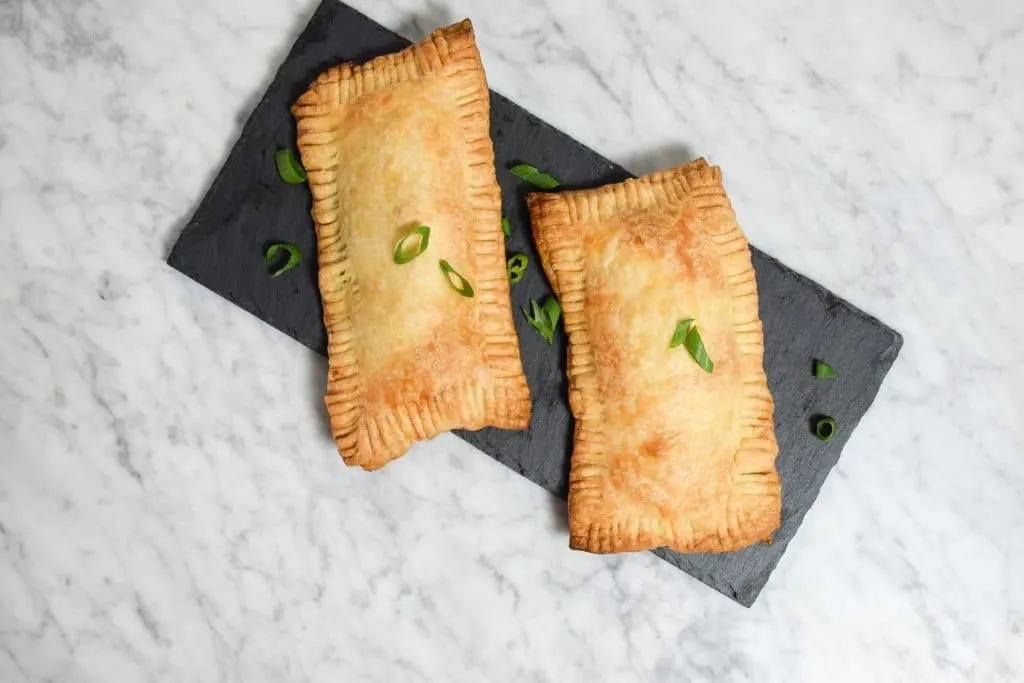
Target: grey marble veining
[(171, 508)]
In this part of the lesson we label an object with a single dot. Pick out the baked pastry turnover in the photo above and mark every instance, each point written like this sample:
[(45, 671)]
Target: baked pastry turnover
[(666, 453), (400, 142)]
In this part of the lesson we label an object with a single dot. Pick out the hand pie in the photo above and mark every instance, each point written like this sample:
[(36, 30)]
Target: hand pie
[(390, 145), (665, 453)]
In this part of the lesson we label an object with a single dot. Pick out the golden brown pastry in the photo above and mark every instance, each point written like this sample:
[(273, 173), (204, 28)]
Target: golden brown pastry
[(399, 142), (665, 454)]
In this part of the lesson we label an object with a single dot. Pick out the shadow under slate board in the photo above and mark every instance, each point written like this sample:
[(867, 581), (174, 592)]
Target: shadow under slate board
[(248, 207)]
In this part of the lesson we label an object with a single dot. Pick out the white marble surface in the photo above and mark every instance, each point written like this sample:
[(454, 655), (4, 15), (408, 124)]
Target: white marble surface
[(172, 510)]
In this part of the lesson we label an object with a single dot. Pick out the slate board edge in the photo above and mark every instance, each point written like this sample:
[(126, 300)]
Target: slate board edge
[(745, 597)]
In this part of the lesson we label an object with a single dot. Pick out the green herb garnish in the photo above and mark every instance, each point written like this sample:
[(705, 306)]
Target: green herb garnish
[(824, 427), (506, 227), (294, 257), (687, 334), (553, 310), (823, 369), (403, 256), (679, 336), (544, 317), (458, 283), (516, 267), (531, 175), (695, 345), (288, 167)]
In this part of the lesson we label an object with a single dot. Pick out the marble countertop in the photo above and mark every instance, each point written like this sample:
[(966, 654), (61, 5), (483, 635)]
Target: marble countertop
[(172, 509)]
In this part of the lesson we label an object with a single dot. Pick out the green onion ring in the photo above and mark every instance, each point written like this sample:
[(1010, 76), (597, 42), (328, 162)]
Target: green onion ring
[(516, 267), (824, 427), (423, 232), (294, 257), (464, 288), (288, 167)]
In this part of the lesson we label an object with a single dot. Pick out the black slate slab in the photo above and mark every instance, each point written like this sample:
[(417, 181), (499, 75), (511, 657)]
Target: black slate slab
[(248, 207)]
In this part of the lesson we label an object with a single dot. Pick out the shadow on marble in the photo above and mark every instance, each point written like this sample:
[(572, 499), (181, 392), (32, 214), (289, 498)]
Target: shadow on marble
[(315, 391), (659, 158), (418, 25), (559, 514)]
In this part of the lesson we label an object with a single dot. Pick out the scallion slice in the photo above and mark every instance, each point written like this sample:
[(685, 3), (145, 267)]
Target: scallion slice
[(553, 310), (294, 257), (458, 283), (823, 370), (537, 318), (403, 255), (533, 176), (824, 427), (687, 334), (695, 345), (544, 317), (516, 267), (288, 167), (506, 227), (679, 336)]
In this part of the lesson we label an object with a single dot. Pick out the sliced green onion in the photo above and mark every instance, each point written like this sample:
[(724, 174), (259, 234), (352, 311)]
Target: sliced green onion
[(679, 336), (288, 167), (401, 255), (531, 175), (506, 227), (539, 321), (294, 257), (463, 288), (544, 317), (553, 310), (695, 345), (537, 318), (824, 427), (687, 334), (516, 267), (823, 369)]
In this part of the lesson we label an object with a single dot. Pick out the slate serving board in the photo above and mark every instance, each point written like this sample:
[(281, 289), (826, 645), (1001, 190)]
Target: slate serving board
[(248, 207)]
